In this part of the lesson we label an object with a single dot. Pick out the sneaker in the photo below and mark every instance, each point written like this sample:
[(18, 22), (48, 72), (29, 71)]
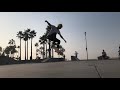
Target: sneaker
[(57, 50)]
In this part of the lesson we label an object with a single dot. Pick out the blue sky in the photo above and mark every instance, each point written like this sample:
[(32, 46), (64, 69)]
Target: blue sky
[(103, 30)]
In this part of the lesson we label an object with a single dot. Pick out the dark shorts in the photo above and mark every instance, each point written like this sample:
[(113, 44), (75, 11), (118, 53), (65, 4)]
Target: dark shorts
[(52, 37), (104, 56)]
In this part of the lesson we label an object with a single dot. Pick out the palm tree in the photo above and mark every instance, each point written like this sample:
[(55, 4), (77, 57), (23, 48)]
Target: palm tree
[(13, 50), (25, 39), (12, 44), (52, 53), (37, 53), (10, 50), (36, 45), (52, 50), (7, 51), (46, 49), (49, 50), (18, 50), (3, 53), (49, 42), (20, 36), (28, 37), (41, 50), (25, 47), (32, 35), (0, 50), (43, 40)]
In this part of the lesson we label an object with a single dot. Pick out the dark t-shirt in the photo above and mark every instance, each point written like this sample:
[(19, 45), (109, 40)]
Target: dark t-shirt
[(53, 30), (104, 53)]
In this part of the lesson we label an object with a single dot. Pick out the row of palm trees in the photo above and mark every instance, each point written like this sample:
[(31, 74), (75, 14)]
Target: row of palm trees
[(26, 35)]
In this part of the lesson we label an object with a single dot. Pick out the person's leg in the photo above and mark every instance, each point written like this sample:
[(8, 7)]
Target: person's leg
[(49, 37), (58, 42), (53, 38)]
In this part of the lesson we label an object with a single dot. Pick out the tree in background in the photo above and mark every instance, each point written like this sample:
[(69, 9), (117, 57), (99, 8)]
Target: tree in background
[(26, 35), (0, 50), (12, 47), (49, 42), (36, 45), (20, 36), (43, 41), (25, 38), (32, 35)]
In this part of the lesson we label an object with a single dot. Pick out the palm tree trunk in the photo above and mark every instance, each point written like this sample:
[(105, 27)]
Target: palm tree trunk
[(13, 55), (52, 53), (18, 54), (58, 56), (20, 48), (40, 52), (43, 50), (49, 49), (46, 49), (31, 48), (10, 54), (36, 52), (25, 50)]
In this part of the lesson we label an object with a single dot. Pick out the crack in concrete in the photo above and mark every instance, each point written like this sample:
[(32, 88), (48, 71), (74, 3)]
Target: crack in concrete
[(97, 71)]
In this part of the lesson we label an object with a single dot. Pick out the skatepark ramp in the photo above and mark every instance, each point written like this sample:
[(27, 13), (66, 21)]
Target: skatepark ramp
[(53, 60), (73, 58)]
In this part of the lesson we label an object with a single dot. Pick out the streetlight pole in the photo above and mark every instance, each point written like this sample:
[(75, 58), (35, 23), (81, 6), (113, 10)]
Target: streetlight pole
[(119, 52), (86, 46)]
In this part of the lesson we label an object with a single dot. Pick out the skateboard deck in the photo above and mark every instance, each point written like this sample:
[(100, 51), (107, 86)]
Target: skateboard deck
[(60, 52)]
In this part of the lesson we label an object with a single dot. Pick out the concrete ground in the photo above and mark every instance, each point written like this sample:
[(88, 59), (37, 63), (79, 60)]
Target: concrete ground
[(70, 69)]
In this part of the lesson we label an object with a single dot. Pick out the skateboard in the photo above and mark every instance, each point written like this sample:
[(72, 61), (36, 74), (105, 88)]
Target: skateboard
[(59, 51)]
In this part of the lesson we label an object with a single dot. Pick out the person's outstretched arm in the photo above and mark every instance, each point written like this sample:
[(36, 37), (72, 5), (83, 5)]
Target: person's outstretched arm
[(62, 37), (48, 23)]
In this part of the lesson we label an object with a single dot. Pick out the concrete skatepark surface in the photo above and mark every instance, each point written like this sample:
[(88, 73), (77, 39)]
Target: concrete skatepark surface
[(64, 69)]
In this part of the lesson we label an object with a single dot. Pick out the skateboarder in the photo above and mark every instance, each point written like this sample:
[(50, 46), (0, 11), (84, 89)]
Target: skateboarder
[(53, 32)]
